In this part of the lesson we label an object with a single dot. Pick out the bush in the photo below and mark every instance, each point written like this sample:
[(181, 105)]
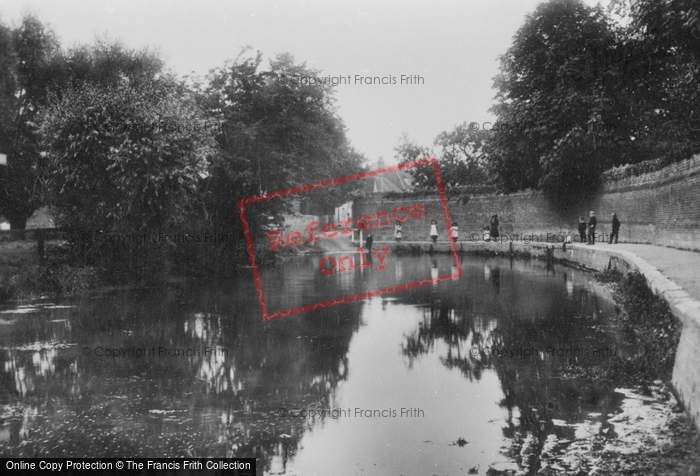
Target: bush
[(651, 332), (72, 280), (36, 280), (632, 170), (656, 330)]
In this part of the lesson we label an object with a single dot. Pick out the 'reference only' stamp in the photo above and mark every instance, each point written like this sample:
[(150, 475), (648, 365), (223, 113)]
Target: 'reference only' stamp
[(278, 240)]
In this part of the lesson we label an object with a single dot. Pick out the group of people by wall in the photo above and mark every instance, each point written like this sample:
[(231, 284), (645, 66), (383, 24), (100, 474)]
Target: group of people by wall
[(490, 231), (590, 228), (454, 231), (587, 231)]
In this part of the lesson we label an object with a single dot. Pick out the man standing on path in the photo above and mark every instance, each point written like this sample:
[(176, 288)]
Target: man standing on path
[(368, 242), (582, 230), (615, 228), (592, 222)]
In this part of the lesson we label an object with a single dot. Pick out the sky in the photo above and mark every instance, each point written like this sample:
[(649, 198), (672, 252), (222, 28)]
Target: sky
[(452, 46)]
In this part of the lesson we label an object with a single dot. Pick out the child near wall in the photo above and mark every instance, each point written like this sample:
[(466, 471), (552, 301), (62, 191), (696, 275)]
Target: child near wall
[(454, 232)]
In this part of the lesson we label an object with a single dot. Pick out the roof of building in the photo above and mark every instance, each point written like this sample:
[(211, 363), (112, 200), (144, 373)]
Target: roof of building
[(394, 181), (41, 218)]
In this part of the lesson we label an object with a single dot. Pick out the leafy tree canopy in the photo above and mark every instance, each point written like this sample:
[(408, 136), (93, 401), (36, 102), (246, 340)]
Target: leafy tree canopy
[(26, 55), (274, 136), (125, 157), (460, 155), (552, 105), (34, 68), (594, 94), (663, 43)]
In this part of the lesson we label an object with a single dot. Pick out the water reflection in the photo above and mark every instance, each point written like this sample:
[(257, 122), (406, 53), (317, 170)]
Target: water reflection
[(193, 370), (536, 343)]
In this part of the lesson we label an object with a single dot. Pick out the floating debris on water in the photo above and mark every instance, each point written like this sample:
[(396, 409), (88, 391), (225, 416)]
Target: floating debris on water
[(35, 346), (26, 310)]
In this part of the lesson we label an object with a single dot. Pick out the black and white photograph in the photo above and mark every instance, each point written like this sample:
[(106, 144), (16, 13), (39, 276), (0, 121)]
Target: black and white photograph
[(334, 238)]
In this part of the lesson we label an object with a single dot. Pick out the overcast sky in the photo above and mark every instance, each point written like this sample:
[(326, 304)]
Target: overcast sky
[(453, 45)]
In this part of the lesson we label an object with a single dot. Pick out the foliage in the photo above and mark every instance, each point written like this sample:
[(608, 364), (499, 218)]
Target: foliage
[(124, 159), (633, 170), (26, 55), (105, 62), (37, 279), (8, 87), (553, 102), (668, 84), (33, 68), (650, 330), (595, 94), (460, 157), (274, 136), (463, 193), (152, 168)]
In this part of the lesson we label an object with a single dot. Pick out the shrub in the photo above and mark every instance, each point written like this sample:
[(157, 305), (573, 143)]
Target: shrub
[(651, 332)]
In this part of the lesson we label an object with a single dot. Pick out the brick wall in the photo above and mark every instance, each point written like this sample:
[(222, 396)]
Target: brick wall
[(661, 207)]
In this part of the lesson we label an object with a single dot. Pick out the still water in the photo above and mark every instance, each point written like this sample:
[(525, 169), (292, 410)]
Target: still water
[(409, 383)]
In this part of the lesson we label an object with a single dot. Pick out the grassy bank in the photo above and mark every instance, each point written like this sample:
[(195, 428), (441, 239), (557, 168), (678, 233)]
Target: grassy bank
[(61, 272), (649, 329), (23, 275)]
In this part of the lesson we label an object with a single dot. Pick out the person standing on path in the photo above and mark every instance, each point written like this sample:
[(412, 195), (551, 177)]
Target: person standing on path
[(368, 242), (433, 231), (582, 230), (592, 222), (454, 232), (398, 234), (615, 228), (494, 228)]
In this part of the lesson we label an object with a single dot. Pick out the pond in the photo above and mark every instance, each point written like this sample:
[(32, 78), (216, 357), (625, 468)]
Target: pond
[(459, 374)]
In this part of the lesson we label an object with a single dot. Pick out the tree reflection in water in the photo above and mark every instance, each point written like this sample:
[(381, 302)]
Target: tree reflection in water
[(224, 402), (56, 401), (442, 322), (508, 314)]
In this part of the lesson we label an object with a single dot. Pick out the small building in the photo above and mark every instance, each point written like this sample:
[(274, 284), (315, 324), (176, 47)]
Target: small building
[(4, 224), (343, 212)]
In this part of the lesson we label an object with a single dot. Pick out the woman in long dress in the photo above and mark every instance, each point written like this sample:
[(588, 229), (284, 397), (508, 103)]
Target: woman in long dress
[(494, 227), (398, 234), (433, 231)]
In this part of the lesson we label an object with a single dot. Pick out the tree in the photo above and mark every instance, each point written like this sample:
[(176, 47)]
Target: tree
[(274, 136), (106, 62), (26, 56), (408, 151), (553, 103), (125, 159), (460, 157), (8, 88), (33, 68), (629, 92), (667, 90)]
